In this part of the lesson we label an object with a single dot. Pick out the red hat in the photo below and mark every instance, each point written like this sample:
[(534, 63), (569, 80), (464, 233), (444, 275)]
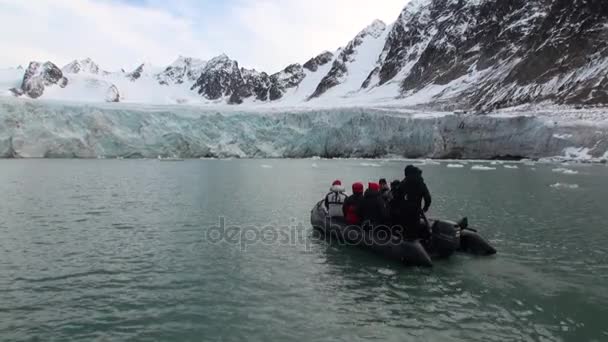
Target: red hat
[(358, 188), (373, 186), (336, 182)]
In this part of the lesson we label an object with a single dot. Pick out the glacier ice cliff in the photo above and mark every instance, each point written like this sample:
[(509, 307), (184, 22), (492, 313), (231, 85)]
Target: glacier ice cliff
[(32, 129)]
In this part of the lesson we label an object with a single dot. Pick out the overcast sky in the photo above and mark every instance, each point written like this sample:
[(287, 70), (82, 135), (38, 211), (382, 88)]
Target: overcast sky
[(265, 34)]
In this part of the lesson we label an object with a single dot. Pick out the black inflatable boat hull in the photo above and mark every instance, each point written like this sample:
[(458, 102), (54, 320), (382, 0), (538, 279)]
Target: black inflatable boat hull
[(473, 243), (410, 253)]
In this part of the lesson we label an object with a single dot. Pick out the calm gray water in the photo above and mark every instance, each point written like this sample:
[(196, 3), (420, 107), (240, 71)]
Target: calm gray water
[(127, 250)]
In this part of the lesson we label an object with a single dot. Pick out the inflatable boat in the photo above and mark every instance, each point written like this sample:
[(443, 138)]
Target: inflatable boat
[(446, 238)]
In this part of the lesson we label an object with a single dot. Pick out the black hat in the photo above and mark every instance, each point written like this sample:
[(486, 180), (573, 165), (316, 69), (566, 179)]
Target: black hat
[(395, 184)]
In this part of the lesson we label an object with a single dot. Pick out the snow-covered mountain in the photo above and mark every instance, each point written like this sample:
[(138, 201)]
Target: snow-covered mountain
[(184, 69), (86, 66), (477, 55)]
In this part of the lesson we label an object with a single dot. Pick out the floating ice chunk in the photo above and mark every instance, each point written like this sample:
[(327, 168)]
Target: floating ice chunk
[(370, 164), (455, 166), (431, 162), (482, 168), (565, 171), (511, 167), (266, 166), (564, 186), (315, 166), (315, 158), (386, 271), (562, 136)]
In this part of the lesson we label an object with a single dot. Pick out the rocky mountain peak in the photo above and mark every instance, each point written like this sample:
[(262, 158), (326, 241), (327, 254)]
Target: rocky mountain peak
[(348, 55), (137, 73), (184, 69), (221, 77), (469, 54), (38, 76), (85, 65), (314, 63), (375, 29)]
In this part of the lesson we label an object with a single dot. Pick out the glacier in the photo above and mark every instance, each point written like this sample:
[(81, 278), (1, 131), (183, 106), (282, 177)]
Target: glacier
[(53, 129)]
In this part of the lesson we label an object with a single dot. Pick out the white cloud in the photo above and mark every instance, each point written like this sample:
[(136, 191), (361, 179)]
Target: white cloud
[(266, 34)]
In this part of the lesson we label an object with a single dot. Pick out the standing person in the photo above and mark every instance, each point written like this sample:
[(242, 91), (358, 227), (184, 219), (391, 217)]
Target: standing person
[(373, 207), (335, 200), (412, 192), (352, 204)]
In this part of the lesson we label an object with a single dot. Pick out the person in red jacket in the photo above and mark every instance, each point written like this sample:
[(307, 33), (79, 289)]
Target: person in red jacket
[(352, 203)]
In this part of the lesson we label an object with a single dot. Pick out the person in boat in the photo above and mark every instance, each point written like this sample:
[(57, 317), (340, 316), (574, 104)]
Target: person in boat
[(373, 208), (394, 205), (352, 204), (334, 201), (385, 191), (411, 194)]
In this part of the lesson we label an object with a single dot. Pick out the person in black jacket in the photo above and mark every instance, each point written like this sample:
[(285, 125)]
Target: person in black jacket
[(412, 192), (395, 204), (373, 208)]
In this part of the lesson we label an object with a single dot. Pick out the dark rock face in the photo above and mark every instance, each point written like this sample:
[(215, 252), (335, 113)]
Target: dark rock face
[(136, 74), (222, 77), (569, 45), (511, 52), (38, 76), (257, 83), (339, 69), (290, 77), (314, 63), (405, 39), (112, 94)]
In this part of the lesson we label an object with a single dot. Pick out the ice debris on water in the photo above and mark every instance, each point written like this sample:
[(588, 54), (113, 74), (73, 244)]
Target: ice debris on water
[(564, 186), (315, 166), (565, 171), (370, 164), (266, 166), (386, 271), (455, 166), (511, 167), (431, 162), (482, 168)]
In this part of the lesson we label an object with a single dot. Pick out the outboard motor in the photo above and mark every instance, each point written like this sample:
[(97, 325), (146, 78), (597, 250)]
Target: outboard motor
[(445, 238)]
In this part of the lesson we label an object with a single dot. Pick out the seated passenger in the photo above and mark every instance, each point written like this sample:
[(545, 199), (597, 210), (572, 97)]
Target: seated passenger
[(395, 204), (335, 200), (395, 185), (373, 207), (352, 204), (385, 191)]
